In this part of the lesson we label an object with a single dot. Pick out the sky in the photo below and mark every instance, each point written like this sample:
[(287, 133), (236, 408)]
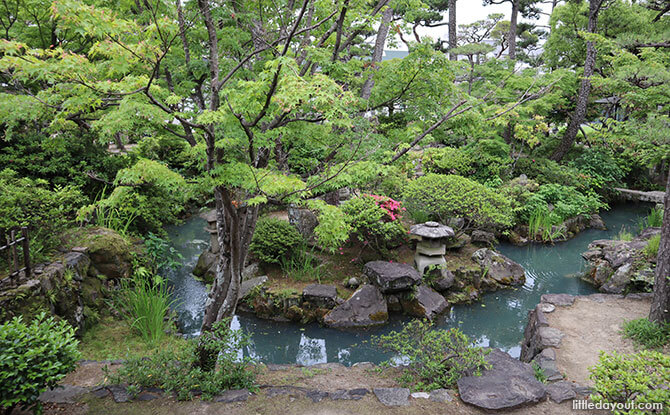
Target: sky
[(468, 11)]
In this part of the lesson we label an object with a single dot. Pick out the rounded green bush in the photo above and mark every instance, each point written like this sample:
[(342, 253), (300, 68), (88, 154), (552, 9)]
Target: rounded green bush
[(440, 197), (274, 239), (34, 357)]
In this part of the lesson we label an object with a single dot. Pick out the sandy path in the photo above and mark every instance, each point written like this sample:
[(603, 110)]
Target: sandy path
[(589, 327)]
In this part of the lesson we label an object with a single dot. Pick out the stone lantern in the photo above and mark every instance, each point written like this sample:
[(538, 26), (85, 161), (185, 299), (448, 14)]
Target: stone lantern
[(431, 246), (210, 217)]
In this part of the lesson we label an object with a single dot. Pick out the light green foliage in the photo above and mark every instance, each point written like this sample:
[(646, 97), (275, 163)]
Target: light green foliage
[(624, 235), (599, 169), (161, 255), (45, 210), (545, 226), (274, 239), (181, 371), (651, 250), (145, 300), (650, 334), (447, 160), (539, 373), (436, 358), (373, 225), (567, 202), (448, 196), (34, 357), (146, 196), (638, 378), (653, 219), (333, 229), (546, 171)]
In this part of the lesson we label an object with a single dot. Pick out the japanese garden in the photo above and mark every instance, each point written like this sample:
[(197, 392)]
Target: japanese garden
[(335, 207)]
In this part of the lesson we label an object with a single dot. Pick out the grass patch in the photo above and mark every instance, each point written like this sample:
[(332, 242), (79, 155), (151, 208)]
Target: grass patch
[(114, 339), (651, 250), (646, 333), (653, 219), (624, 235)]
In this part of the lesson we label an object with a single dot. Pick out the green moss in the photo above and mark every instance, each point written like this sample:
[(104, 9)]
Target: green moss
[(113, 339), (379, 316)]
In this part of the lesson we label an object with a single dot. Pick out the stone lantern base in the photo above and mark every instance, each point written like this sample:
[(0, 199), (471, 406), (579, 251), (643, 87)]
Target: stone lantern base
[(424, 261)]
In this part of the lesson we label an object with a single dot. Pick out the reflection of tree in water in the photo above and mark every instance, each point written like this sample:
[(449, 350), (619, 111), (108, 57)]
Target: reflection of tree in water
[(311, 351)]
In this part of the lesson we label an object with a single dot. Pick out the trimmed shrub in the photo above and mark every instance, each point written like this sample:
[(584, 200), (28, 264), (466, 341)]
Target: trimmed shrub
[(274, 239), (632, 380), (375, 221), (441, 197), (34, 357)]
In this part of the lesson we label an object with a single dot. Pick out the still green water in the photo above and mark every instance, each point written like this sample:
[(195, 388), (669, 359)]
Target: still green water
[(498, 320)]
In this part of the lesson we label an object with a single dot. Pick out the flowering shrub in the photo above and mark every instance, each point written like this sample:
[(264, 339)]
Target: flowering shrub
[(375, 221), (392, 207)]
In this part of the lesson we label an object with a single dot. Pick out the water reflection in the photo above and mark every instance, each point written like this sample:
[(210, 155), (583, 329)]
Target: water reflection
[(497, 321)]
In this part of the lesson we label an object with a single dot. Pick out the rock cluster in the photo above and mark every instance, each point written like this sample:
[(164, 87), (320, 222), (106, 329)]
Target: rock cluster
[(72, 286), (615, 265)]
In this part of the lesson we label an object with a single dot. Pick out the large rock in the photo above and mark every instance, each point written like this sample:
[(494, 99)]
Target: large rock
[(483, 237), (445, 281), (499, 270), (614, 264), (392, 277), (304, 221), (110, 253), (205, 268), (320, 295), (424, 302), (366, 307), (246, 287), (508, 384)]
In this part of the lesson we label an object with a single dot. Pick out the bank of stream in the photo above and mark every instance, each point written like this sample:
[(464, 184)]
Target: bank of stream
[(498, 320)]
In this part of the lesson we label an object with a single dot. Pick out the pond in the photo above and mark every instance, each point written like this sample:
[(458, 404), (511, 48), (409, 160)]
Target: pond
[(498, 320)]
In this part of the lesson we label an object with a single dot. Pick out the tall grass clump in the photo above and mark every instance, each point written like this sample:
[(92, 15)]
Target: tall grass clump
[(653, 220), (303, 265), (651, 250), (624, 235), (647, 333), (145, 300), (543, 225)]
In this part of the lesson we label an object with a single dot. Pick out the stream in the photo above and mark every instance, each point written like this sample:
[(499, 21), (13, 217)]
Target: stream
[(497, 320)]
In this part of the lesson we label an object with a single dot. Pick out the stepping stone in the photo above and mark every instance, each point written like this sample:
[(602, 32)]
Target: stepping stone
[(366, 307), (63, 394), (321, 295), (347, 395), (441, 396), (420, 395), (392, 396), (229, 396), (391, 277), (561, 391), (119, 393), (509, 384)]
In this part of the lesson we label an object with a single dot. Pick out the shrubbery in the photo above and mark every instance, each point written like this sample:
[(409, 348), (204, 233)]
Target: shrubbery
[(447, 160), (436, 358), (441, 197), (147, 196), (567, 202), (649, 334), (375, 221), (210, 364), (274, 239), (33, 203), (34, 357), (637, 379)]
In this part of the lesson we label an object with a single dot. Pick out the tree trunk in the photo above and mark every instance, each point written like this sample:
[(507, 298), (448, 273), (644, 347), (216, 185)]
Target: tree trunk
[(452, 30), (660, 305), (579, 114), (378, 51), (235, 227), (511, 36)]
